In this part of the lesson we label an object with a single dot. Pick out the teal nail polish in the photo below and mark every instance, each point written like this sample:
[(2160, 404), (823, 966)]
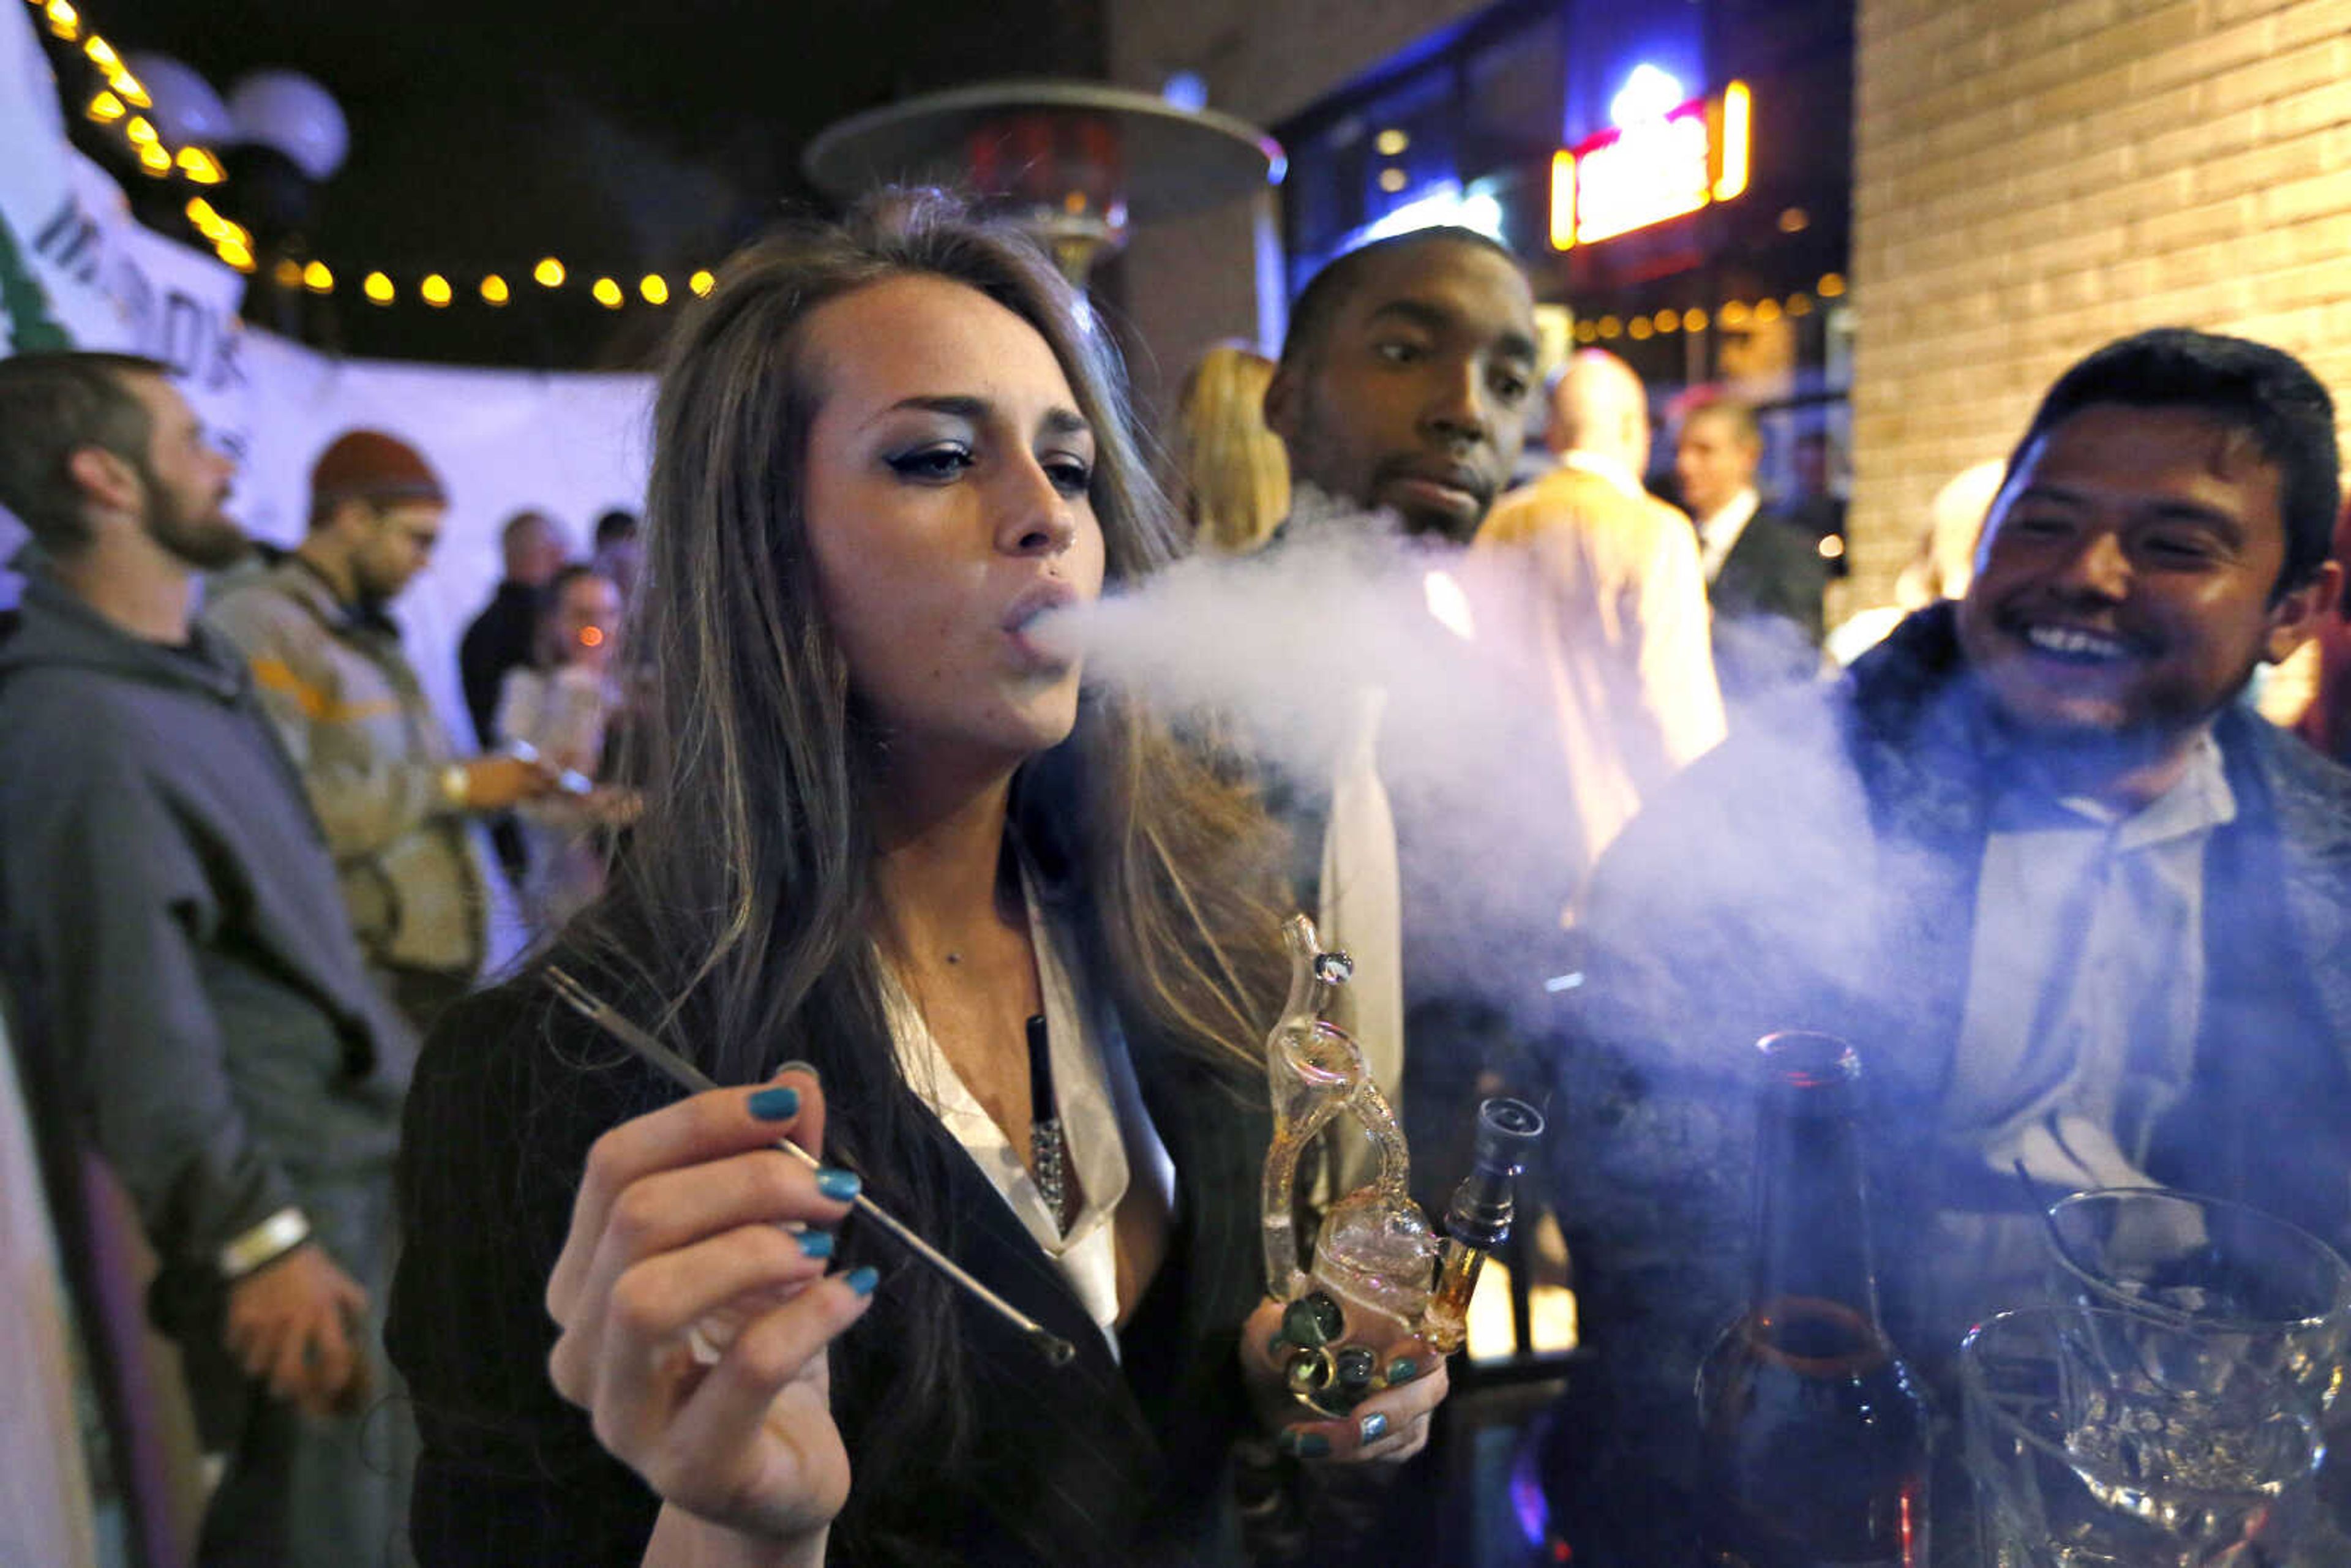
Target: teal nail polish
[(1403, 1369), (781, 1103), (862, 1279), (1306, 1445), (838, 1184), (815, 1243), (1372, 1426)]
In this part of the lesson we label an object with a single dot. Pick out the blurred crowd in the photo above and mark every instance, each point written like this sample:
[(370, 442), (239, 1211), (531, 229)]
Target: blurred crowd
[(2047, 837)]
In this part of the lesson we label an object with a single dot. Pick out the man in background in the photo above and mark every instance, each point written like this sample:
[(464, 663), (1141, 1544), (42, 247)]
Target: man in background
[(394, 798), (1404, 382), (1764, 576), (172, 922), (1403, 387), (1619, 606), (504, 636)]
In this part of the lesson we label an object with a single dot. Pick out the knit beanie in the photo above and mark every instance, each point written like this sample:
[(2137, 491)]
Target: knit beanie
[(368, 465)]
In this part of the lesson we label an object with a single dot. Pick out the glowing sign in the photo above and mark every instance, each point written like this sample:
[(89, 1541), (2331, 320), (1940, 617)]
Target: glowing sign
[(1660, 164), (1648, 94)]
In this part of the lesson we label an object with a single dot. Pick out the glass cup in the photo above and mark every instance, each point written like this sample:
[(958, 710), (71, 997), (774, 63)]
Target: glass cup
[(2277, 1295), (2096, 1436)]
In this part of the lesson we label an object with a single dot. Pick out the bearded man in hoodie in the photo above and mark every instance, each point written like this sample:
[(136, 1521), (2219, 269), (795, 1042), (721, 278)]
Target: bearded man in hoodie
[(174, 935)]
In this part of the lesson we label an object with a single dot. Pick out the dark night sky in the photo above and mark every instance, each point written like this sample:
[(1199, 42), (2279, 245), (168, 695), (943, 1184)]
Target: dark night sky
[(622, 138)]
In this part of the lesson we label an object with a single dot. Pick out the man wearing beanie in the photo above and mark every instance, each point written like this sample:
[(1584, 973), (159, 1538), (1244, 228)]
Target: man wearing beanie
[(394, 798)]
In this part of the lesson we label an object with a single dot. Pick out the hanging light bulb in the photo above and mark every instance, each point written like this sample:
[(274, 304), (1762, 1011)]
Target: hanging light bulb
[(607, 293), (317, 279), (654, 289), (550, 273), (493, 290), (378, 289), (435, 289), (701, 282)]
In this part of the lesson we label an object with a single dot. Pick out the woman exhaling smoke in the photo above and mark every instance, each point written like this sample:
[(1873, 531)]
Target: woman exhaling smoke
[(883, 835)]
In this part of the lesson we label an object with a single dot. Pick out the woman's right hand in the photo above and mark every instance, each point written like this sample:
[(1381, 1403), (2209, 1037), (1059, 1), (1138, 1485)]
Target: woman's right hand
[(676, 1230)]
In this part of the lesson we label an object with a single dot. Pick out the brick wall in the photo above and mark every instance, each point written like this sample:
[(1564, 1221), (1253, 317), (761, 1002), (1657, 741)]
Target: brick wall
[(2034, 179)]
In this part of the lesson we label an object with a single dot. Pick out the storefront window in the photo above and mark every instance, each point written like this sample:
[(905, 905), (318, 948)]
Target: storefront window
[(1746, 292)]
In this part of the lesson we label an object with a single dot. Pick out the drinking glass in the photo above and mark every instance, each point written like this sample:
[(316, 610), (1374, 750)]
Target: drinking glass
[(2096, 1435), (2275, 1295)]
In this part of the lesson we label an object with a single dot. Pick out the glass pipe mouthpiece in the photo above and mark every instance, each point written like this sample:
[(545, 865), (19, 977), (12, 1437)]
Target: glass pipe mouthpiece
[(1478, 1219), (1481, 1212)]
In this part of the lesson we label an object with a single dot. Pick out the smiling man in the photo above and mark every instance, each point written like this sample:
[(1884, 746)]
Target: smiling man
[(2086, 917)]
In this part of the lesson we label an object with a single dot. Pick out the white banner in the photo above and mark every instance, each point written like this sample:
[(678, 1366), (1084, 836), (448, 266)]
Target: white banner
[(77, 270)]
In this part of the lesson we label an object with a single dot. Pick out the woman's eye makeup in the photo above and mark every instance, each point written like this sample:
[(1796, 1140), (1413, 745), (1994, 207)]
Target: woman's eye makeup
[(935, 462), (944, 462)]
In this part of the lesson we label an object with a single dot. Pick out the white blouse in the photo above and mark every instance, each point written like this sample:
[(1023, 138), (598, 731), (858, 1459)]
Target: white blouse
[(1104, 1126)]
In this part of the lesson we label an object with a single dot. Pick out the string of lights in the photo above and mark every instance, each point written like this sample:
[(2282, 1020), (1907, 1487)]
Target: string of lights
[(118, 103), (1731, 316)]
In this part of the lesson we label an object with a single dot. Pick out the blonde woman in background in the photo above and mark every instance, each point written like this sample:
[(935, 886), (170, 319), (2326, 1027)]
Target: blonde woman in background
[(1941, 568), (1229, 471)]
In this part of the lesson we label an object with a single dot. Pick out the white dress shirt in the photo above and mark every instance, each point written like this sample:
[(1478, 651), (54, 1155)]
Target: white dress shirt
[(1104, 1126), (2086, 978)]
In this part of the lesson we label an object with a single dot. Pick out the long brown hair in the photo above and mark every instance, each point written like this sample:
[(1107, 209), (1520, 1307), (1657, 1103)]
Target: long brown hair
[(743, 915)]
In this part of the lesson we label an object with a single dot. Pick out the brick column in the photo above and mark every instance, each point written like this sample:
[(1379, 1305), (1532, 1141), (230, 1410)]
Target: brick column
[(2032, 179)]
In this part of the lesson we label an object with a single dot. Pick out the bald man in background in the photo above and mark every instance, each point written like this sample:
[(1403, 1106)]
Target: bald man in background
[(1619, 603)]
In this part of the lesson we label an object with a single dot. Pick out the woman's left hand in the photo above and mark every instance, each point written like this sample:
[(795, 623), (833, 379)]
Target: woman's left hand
[(1390, 1427)]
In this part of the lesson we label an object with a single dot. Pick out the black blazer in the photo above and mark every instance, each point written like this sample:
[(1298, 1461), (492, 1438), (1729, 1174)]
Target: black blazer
[(1768, 615), (1091, 1463)]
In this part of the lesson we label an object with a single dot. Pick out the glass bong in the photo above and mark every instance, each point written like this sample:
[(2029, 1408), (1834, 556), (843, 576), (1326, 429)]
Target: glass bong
[(1379, 1271)]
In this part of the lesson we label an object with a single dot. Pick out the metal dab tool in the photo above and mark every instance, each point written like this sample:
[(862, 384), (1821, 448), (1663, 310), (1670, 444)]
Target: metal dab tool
[(1057, 1351)]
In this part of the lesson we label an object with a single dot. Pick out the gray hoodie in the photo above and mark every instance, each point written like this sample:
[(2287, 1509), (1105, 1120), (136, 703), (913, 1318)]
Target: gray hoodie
[(171, 922)]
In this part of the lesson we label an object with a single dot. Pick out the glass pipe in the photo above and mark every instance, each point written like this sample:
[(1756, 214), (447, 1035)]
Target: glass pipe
[(1378, 1272), (1313, 1073)]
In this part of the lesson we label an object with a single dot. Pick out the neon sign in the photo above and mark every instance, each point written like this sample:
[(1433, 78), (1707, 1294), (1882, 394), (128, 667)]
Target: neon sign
[(1657, 163)]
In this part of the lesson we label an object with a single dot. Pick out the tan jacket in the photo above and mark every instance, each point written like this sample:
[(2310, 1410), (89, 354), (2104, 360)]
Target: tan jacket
[(371, 753), (1619, 610)]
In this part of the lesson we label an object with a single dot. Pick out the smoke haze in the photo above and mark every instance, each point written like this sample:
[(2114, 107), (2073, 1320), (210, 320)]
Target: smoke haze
[(1276, 649)]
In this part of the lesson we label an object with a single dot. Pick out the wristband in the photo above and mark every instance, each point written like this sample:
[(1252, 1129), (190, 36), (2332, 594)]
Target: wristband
[(456, 786), (264, 1243)]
